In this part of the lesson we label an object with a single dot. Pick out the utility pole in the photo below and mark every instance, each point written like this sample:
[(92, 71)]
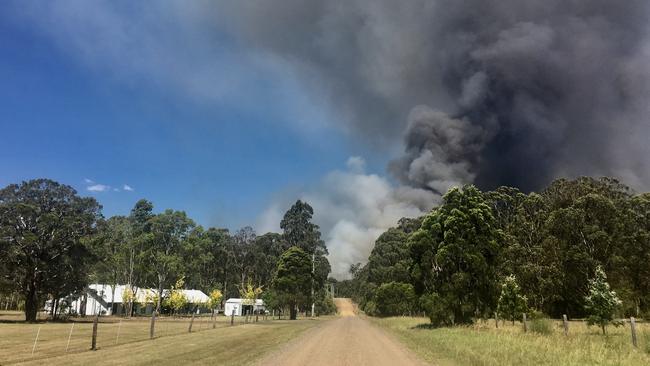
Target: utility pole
[(313, 259)]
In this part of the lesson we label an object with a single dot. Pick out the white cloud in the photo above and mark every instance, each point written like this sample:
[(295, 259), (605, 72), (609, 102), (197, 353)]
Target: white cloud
[(127, 187), (353, 209), (98, 188), (88, 181)]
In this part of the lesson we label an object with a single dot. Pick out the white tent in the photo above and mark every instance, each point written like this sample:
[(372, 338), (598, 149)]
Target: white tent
[(237, 306)]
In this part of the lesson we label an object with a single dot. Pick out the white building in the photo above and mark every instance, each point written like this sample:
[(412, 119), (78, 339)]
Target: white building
[(100, 298), (239, 307)]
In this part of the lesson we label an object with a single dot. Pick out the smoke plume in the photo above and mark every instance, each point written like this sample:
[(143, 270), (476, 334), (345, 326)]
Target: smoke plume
[(485, 91), (352, 208)]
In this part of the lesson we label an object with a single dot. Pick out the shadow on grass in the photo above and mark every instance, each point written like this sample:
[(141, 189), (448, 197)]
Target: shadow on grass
[(427, 326)]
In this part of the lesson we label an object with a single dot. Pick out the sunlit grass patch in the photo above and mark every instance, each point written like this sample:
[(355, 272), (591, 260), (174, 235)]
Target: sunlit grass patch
[(483, 344)]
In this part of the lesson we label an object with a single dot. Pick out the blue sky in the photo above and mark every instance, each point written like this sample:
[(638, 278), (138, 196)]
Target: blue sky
[(70, 118)]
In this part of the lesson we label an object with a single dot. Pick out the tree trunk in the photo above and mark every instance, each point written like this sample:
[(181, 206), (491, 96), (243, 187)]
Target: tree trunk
[(160, 293), (603, 327), (293, 312), (55, 309), (113, 298), (31, 303)]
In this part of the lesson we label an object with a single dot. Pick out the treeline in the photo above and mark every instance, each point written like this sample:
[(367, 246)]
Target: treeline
[(53, 243), (453, 262)]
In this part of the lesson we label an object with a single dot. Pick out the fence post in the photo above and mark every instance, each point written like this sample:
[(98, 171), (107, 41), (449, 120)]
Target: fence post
[(189, 330), (633, 329), (566, 324), (232, 317), (93, 345), (36, 339), (496, 319), (214, 319), (69, 336), (152, 326), (119, 327), (525, 325)]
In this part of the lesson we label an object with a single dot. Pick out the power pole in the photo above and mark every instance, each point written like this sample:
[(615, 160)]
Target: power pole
[(313, 259)]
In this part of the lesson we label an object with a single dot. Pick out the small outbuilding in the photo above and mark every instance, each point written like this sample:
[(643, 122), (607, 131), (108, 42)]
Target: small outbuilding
[(238, 307)]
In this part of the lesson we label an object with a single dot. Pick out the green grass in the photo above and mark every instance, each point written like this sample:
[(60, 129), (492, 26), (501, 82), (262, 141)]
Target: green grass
[(172, 345), (482, 344)]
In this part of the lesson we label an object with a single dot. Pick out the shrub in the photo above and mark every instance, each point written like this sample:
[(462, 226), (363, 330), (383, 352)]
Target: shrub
[(541, 325), (370, 308), (395, 298), (436, 309), (601, 303), (512, 304)]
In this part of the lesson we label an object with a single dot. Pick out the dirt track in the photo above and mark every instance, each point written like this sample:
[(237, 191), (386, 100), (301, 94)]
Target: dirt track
[(347, 340)]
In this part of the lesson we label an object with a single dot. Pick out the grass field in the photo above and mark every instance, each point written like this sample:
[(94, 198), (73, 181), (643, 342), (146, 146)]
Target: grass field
[(127, 341), (508, 345)]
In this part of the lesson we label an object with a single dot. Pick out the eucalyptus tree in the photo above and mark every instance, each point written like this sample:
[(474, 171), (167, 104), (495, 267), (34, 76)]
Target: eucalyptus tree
[(42, 229), (164, 248), (455, 254), (292, 283)]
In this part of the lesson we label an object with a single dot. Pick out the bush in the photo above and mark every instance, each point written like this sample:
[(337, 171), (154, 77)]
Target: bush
[(324, 304), (436, 309), (370, 308), (541, 326), (395, 298)]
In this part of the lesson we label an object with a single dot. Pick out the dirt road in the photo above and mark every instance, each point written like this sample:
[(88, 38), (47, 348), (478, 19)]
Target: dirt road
[(347, 340)]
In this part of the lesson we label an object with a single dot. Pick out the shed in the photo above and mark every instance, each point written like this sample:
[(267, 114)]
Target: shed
[(237, 307)]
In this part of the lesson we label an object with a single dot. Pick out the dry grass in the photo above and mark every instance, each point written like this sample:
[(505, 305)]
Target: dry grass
[(117, 339), (509, 345)]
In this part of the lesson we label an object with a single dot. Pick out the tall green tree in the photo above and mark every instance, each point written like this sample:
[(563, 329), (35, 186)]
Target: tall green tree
[(42, 227), (293, 280), (112, 248), (165, 248), (636, 246), (390, 260), (299, 231), (455, 254), (264, 255)]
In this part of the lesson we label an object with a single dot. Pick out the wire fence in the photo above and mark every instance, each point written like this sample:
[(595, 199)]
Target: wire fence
[(24, 341)]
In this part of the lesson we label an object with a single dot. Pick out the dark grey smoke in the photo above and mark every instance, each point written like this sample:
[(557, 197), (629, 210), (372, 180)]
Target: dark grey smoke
[(491, 91)]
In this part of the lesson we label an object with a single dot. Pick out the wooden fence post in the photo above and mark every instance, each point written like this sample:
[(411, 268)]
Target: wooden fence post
[(525, 325), (119, 327), (69, 336), (93, 345), (633, 329), (232, 317), (152, 326), (214, 319), (36, 339), (496, 319), (566, 324), (189, 330)]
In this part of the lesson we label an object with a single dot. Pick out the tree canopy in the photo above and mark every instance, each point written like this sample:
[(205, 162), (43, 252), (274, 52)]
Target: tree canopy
[(43, 225)]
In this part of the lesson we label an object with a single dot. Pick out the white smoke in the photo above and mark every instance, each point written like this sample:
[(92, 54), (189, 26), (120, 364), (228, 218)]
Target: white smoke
[(352, 209)]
